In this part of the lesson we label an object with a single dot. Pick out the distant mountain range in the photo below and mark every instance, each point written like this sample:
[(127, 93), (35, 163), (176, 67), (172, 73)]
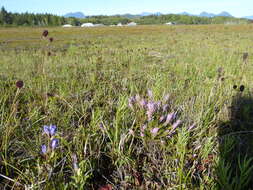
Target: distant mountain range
[(249, 17), (75, 15), (206, 14), (202, 14)]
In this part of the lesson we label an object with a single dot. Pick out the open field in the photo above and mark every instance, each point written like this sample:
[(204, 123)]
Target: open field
[(146, 107)]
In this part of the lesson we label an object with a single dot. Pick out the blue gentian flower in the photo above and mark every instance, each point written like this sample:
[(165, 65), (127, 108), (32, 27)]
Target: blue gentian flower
[(44, 149), (50, 130), (54, 143)]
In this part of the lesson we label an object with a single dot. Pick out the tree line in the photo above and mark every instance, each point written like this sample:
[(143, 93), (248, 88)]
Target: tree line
[(31, 19)]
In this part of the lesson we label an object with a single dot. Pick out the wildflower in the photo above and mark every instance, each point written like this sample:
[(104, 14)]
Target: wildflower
[(49, 53), (143, 103), (19, 84), (176, 124), (235, 87), (191, 127), (158, 104), (44, 149), (151, 109), (54, 144), (143, 128), (154, 131), (170, 117), (45, 33), (162, 118), (51, 39), (50, 130)]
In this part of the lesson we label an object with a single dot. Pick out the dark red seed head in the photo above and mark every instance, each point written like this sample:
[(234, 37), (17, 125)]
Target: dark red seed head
[(45, 33), (49, 53), (19, 84), (242, 87), (51, 39)]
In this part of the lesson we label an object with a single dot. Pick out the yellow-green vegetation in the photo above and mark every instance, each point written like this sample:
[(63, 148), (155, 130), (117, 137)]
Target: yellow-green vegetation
[(146, 107)]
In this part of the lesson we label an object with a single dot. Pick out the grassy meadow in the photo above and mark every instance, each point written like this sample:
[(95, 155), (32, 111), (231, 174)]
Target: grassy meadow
[(146, 107)]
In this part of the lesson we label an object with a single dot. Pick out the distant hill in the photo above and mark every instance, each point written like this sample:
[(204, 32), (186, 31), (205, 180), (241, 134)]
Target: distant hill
[(185, 13), (249, 17), (206, 14), (224, 13), (75, 15)]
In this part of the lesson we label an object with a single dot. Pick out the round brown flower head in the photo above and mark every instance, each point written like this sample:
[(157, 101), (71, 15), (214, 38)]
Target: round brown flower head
[(242, 88), (51, 39), (45, 33), (19, 84), (235, 87), (49, 53)]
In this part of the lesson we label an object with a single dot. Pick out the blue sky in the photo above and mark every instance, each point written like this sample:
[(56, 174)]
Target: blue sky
[(108, 7)]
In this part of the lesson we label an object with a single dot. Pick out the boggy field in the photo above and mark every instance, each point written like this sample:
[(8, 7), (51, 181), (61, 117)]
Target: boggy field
[(146, 107)]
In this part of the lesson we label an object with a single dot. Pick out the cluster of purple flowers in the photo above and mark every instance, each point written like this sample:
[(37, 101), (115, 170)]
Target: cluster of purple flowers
[(50, 132), (155, 110)]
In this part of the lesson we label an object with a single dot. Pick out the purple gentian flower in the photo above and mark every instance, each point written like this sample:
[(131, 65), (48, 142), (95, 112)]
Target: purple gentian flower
[(176, 124), (143, 103), (191, 127), (169, 118), (44, 149), (54, 143), (162, 118), (151, 109), (154, 131), (50, 130)]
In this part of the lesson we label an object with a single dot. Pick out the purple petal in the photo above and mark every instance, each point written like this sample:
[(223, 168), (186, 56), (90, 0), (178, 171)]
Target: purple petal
[(143, 103), (46, 130), (143, 128), (154, 131), (176, 124), (44, 149), (54, 143), (52, 129), (169, 118), (192, 127), (162, 118)]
